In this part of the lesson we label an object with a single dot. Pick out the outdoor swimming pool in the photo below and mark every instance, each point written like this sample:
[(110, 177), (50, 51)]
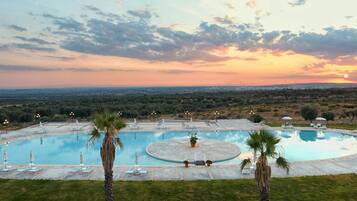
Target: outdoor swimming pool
[(65, 149)]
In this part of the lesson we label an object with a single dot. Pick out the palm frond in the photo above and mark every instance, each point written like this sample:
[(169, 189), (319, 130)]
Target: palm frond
[(270, 141), (269, 137), (119, 143), (254, 141), (99, 121), (107, 122), (281, 162), (244, 163), (119, 124), (94, 135)]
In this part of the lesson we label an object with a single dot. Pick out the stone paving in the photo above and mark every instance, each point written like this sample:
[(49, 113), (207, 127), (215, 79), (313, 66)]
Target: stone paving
[(45, 130), (216, 171), (178, 150), (227, 124)]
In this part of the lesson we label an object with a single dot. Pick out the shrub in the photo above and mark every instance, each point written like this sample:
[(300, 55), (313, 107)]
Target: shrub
[(263, 110), (193, 139), (352, 114), (329, 116), (308, 112), (256, 118)]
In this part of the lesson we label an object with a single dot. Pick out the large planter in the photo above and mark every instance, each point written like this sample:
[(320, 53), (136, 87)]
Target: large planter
[(193, 140), (186, 163)]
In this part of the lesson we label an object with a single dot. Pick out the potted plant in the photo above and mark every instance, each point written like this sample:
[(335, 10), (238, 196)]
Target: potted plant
[(209, 163), (193, 139), (186, 163)]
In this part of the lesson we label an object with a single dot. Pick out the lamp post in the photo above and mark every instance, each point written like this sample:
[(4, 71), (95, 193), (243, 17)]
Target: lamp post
[(153, 114), (71, 115), (188, 114), (37, 117), (216, 114), (6, 123)]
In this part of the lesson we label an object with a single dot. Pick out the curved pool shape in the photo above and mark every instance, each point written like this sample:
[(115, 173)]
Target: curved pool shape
[(65, 149)]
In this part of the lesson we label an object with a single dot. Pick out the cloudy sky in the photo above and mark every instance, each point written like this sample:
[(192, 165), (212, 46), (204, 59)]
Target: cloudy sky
[(67, 43)]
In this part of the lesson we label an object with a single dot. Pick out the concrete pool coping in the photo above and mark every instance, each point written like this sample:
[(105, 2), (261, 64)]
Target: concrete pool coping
[(341, 165)]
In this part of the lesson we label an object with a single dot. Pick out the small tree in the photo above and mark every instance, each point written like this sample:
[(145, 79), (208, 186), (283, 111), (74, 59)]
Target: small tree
[(256, 118), (352, 114), (308, 112), (264, 144), (107, 124), (193, 139), (329, 116)]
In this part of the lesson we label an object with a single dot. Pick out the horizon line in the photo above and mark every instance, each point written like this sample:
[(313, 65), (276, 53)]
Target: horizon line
[(175, 86)]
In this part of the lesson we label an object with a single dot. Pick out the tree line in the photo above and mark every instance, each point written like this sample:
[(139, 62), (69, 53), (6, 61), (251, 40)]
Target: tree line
[(54, 107)]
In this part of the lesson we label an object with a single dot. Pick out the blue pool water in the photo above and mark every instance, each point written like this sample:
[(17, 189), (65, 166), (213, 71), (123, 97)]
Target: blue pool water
[(65, 149)]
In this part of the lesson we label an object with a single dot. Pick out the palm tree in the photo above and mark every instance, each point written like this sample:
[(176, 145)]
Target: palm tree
[(264, 143), (108, 124)]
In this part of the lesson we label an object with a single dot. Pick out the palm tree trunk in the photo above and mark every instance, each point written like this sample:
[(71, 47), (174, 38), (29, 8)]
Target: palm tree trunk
[(255, 157), (262, 177), (107, 152), (264, 194), (108, 186)]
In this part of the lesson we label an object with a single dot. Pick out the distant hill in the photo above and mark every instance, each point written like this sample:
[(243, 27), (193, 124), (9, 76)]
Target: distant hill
[(163, 90)]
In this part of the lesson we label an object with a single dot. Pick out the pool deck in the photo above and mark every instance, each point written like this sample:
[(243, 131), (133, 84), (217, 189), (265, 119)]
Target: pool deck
[(340, 165)]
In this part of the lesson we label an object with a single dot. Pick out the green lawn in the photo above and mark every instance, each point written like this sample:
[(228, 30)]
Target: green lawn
[(278, 124), (325, 188), (343, 126)]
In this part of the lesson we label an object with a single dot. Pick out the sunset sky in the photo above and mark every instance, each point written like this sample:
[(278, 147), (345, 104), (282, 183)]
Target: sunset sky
[(70, 43)]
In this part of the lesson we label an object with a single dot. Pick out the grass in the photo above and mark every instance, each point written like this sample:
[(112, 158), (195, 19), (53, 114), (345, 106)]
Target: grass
[(343, 126), (278, 124), (326, 188)]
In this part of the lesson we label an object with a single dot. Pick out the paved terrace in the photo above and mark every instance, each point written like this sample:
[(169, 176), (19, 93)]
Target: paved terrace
[(70, 172), (168, 125)]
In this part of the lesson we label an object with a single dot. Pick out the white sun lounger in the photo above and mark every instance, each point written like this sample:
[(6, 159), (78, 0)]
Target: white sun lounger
[(84, 171), (7, 169), (81, 170), (246, 171), (29, 170), (33, 169), (136, 171), (134, 126)]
